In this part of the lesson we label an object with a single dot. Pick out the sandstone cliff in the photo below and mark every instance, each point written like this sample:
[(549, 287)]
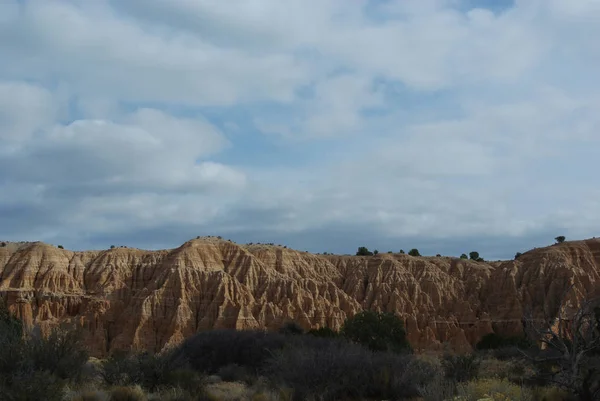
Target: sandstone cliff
[(150, 299)]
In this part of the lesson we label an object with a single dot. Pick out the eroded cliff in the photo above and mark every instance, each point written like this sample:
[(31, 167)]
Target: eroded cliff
[(150, 299)]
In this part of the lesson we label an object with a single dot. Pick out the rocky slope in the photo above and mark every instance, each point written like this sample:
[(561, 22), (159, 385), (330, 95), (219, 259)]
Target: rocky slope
[(150, 299)]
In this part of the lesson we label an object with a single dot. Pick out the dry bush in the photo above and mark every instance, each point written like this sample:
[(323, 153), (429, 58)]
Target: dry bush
[(497, 390), (333, 370), (235, 373), (33, 367), (129, 393), (438, 389), (212, 350), (460, 368), (551, 394), (151, 372), (89, 395)]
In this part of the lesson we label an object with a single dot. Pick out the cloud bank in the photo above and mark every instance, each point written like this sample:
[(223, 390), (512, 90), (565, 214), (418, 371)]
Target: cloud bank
[(448, 125)]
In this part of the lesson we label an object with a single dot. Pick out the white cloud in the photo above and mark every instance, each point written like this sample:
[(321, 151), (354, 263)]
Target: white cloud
[(399, 118), (24, 108)]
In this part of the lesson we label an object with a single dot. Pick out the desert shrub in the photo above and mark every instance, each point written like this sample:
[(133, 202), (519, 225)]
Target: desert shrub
[(560, 239), (518, 255), (550, 394), (61, 247), (500, 390), (2, 244), (438, 388), (376, 331), (235, 373), (209, 351), (495, 341), (34, 367), (131, 393), (460, 368), (89, 395), (325, 332), (62, 353), (150, 371), (291, 328), (24, 385), (508, 353), (492, 368), (336, 370), (464, 256)]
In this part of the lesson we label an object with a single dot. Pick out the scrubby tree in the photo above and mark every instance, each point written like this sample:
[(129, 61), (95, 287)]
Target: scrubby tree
[(414, 252), (36, 367), (560, 239), (61, 247), (473, 255), (464, 256), (438, 256), (2, 244), (401, 251), (377, 331), (375, 252), (570, 355), (363, 251), (518, 255)]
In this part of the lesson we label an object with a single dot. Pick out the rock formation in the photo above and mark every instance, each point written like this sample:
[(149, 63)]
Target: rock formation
[(126, 297)]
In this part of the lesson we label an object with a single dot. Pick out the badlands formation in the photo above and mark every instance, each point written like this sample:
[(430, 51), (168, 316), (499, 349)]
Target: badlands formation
[(126, 297)]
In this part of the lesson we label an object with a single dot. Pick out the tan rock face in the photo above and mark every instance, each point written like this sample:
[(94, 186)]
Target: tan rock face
[(126, 297)]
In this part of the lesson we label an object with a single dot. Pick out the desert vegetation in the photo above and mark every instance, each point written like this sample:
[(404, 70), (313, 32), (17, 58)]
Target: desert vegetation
[(368, 359)]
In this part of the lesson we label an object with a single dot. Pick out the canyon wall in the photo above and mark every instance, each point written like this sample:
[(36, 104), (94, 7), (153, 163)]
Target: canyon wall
[(126, 297)]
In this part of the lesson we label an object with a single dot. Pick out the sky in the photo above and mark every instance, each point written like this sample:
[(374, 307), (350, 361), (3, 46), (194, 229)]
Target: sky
[(445, 125)]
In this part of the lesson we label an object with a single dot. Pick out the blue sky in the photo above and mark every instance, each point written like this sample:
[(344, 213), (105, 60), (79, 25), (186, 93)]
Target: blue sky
[(447, 125)]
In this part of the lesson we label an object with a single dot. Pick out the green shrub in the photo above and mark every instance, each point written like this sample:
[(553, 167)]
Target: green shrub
[(438, 388), (323, 332), (209, 351), (414, 252), (376, 331), (291, 328), (363, 251), (61, 353), (464, 256), (61, 247), (235, 373), (501, 390), (34, 367), (150, 371), (495, 341), (560, 239), (334, 370), (460, 368)]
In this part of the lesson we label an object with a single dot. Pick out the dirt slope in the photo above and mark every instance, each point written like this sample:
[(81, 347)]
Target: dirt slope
[(149, 299)]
